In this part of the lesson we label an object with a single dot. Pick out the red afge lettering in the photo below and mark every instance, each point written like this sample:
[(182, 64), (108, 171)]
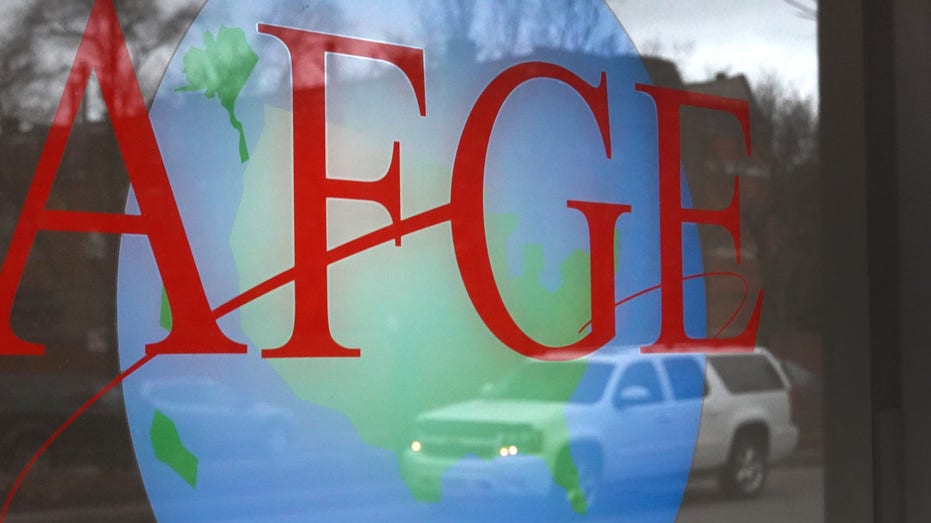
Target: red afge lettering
[(468, 219), (672, 336), (103, 50), (311, 336)]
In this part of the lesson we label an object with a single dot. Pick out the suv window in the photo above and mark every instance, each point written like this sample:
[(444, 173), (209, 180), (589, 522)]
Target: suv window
[(638, 385), (686, 376), (581, 382), (592, 385), (746, 373)]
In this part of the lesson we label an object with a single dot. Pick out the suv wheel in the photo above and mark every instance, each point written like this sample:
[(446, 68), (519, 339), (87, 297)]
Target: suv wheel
[(744, 475)]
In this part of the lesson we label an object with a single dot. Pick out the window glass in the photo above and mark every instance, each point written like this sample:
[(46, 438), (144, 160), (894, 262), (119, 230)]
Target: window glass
[(638, 385), (746, 373), (686, 376), (416, 260), (591, 387), (525, 382)]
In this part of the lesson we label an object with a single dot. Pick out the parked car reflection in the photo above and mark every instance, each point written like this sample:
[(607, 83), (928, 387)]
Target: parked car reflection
[(221, 423), (626, 420)]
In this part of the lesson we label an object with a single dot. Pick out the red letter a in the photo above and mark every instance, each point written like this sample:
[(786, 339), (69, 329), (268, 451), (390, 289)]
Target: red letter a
[(103, 50)]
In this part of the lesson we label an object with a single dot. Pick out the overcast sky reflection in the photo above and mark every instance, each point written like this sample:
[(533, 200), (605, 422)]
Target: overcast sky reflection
[(756, 38)]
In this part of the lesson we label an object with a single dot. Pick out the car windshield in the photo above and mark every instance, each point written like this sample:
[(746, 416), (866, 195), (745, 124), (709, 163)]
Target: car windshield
[(572, 382)]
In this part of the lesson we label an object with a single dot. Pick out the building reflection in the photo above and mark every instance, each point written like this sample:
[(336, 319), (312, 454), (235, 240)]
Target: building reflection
[(66, 299)]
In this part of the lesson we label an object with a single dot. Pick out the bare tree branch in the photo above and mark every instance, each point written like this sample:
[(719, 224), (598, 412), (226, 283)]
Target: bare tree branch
[(36, 55), (808, 12)]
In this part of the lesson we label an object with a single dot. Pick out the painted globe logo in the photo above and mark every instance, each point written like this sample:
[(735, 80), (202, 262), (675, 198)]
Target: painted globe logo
[(437, 416)]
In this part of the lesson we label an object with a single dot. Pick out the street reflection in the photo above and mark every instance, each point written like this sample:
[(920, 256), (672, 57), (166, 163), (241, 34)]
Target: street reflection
[(495, 440)]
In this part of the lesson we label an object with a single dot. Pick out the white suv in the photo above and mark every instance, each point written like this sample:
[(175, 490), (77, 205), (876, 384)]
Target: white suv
[(746, 420), (628, 416)]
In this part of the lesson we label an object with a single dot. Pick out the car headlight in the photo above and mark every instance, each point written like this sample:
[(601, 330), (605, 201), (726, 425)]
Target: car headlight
[(521, 441), (511, 450)]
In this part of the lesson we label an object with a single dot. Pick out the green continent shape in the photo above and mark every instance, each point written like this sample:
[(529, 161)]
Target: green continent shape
[(220, 70), (423, 345), (170, 450), (164, 316)]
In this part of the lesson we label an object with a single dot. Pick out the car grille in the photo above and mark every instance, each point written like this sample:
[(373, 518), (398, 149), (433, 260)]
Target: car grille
[(454, 439)]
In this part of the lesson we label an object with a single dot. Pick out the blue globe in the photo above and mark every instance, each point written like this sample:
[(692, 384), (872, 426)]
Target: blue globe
[(242, 438)]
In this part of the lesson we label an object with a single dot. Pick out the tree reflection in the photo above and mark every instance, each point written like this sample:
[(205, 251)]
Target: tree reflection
[(37, 52), (499, 29)]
